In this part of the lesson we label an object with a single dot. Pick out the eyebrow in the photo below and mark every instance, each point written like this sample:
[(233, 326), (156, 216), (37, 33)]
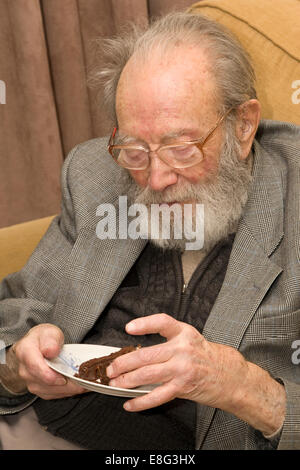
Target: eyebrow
[(179, 133), (126, 139)]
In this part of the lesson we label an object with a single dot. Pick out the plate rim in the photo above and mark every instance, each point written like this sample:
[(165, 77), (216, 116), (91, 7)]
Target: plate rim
[(135, 391)]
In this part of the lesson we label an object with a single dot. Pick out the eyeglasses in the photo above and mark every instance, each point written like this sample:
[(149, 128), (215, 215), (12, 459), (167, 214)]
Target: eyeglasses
[(177, 155)]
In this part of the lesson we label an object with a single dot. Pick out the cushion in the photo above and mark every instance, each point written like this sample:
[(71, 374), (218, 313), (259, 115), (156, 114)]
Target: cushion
[(270, 32), (18, 242)]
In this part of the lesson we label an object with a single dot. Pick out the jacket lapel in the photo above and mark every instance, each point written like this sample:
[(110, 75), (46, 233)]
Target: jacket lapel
[(250, 271)]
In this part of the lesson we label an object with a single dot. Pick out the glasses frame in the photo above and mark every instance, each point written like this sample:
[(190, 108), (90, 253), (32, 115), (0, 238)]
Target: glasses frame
[(199, 143)]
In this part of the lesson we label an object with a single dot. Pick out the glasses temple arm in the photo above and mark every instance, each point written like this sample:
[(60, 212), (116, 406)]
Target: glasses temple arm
[(218, 123)]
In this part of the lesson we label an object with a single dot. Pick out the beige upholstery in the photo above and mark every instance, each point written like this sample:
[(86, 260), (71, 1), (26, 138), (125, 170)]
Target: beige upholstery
[(18, 242), (270, 32)]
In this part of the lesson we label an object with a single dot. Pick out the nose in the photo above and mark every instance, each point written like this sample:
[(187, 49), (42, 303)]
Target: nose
[(161, 175)]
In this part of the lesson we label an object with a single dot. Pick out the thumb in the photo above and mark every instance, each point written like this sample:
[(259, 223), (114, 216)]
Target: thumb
[(51, 341)]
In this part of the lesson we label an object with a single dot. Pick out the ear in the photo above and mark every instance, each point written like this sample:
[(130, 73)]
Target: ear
[(248, 117)]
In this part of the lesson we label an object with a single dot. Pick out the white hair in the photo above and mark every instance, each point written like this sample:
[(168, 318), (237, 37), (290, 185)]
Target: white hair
[(232, 67)]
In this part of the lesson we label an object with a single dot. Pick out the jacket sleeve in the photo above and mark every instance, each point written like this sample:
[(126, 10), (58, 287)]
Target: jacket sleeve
[(27, 298), (290, 434)]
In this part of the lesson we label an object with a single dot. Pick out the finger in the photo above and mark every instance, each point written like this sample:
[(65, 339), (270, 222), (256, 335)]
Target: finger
[(136, 359), (51, 341), (160, 395), (43, 339), (160, 323), (55, 392), (38, 372), (33, 367), (143, 376)]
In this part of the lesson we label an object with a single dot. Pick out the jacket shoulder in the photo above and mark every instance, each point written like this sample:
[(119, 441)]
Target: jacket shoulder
[(91, 177), (281, 139), (91, 154)]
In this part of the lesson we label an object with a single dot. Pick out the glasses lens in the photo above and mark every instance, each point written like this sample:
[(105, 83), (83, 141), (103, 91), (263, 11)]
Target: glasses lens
[(182, 156), (132, 158)]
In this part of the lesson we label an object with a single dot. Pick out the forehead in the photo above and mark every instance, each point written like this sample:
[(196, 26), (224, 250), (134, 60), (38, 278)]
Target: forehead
[(173, 89)]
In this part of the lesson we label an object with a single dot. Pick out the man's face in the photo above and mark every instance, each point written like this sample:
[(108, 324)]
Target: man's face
[(165, 100)]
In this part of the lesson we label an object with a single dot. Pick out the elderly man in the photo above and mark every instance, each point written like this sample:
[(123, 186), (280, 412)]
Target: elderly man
[(217, 323)]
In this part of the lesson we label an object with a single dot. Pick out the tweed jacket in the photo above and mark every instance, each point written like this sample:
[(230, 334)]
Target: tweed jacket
[(72, 275)]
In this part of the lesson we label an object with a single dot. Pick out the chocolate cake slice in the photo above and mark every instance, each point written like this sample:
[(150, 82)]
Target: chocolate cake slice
[(94, 370)]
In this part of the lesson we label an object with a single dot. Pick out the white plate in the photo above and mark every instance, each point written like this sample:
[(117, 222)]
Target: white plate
[(72, 355)]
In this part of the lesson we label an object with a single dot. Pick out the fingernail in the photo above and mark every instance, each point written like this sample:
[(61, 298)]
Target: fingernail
[(130, 326), (109, 371), (60, 381), (127, 406)]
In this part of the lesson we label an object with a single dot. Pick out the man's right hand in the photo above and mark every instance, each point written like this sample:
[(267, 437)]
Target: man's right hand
[(26, 361)]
